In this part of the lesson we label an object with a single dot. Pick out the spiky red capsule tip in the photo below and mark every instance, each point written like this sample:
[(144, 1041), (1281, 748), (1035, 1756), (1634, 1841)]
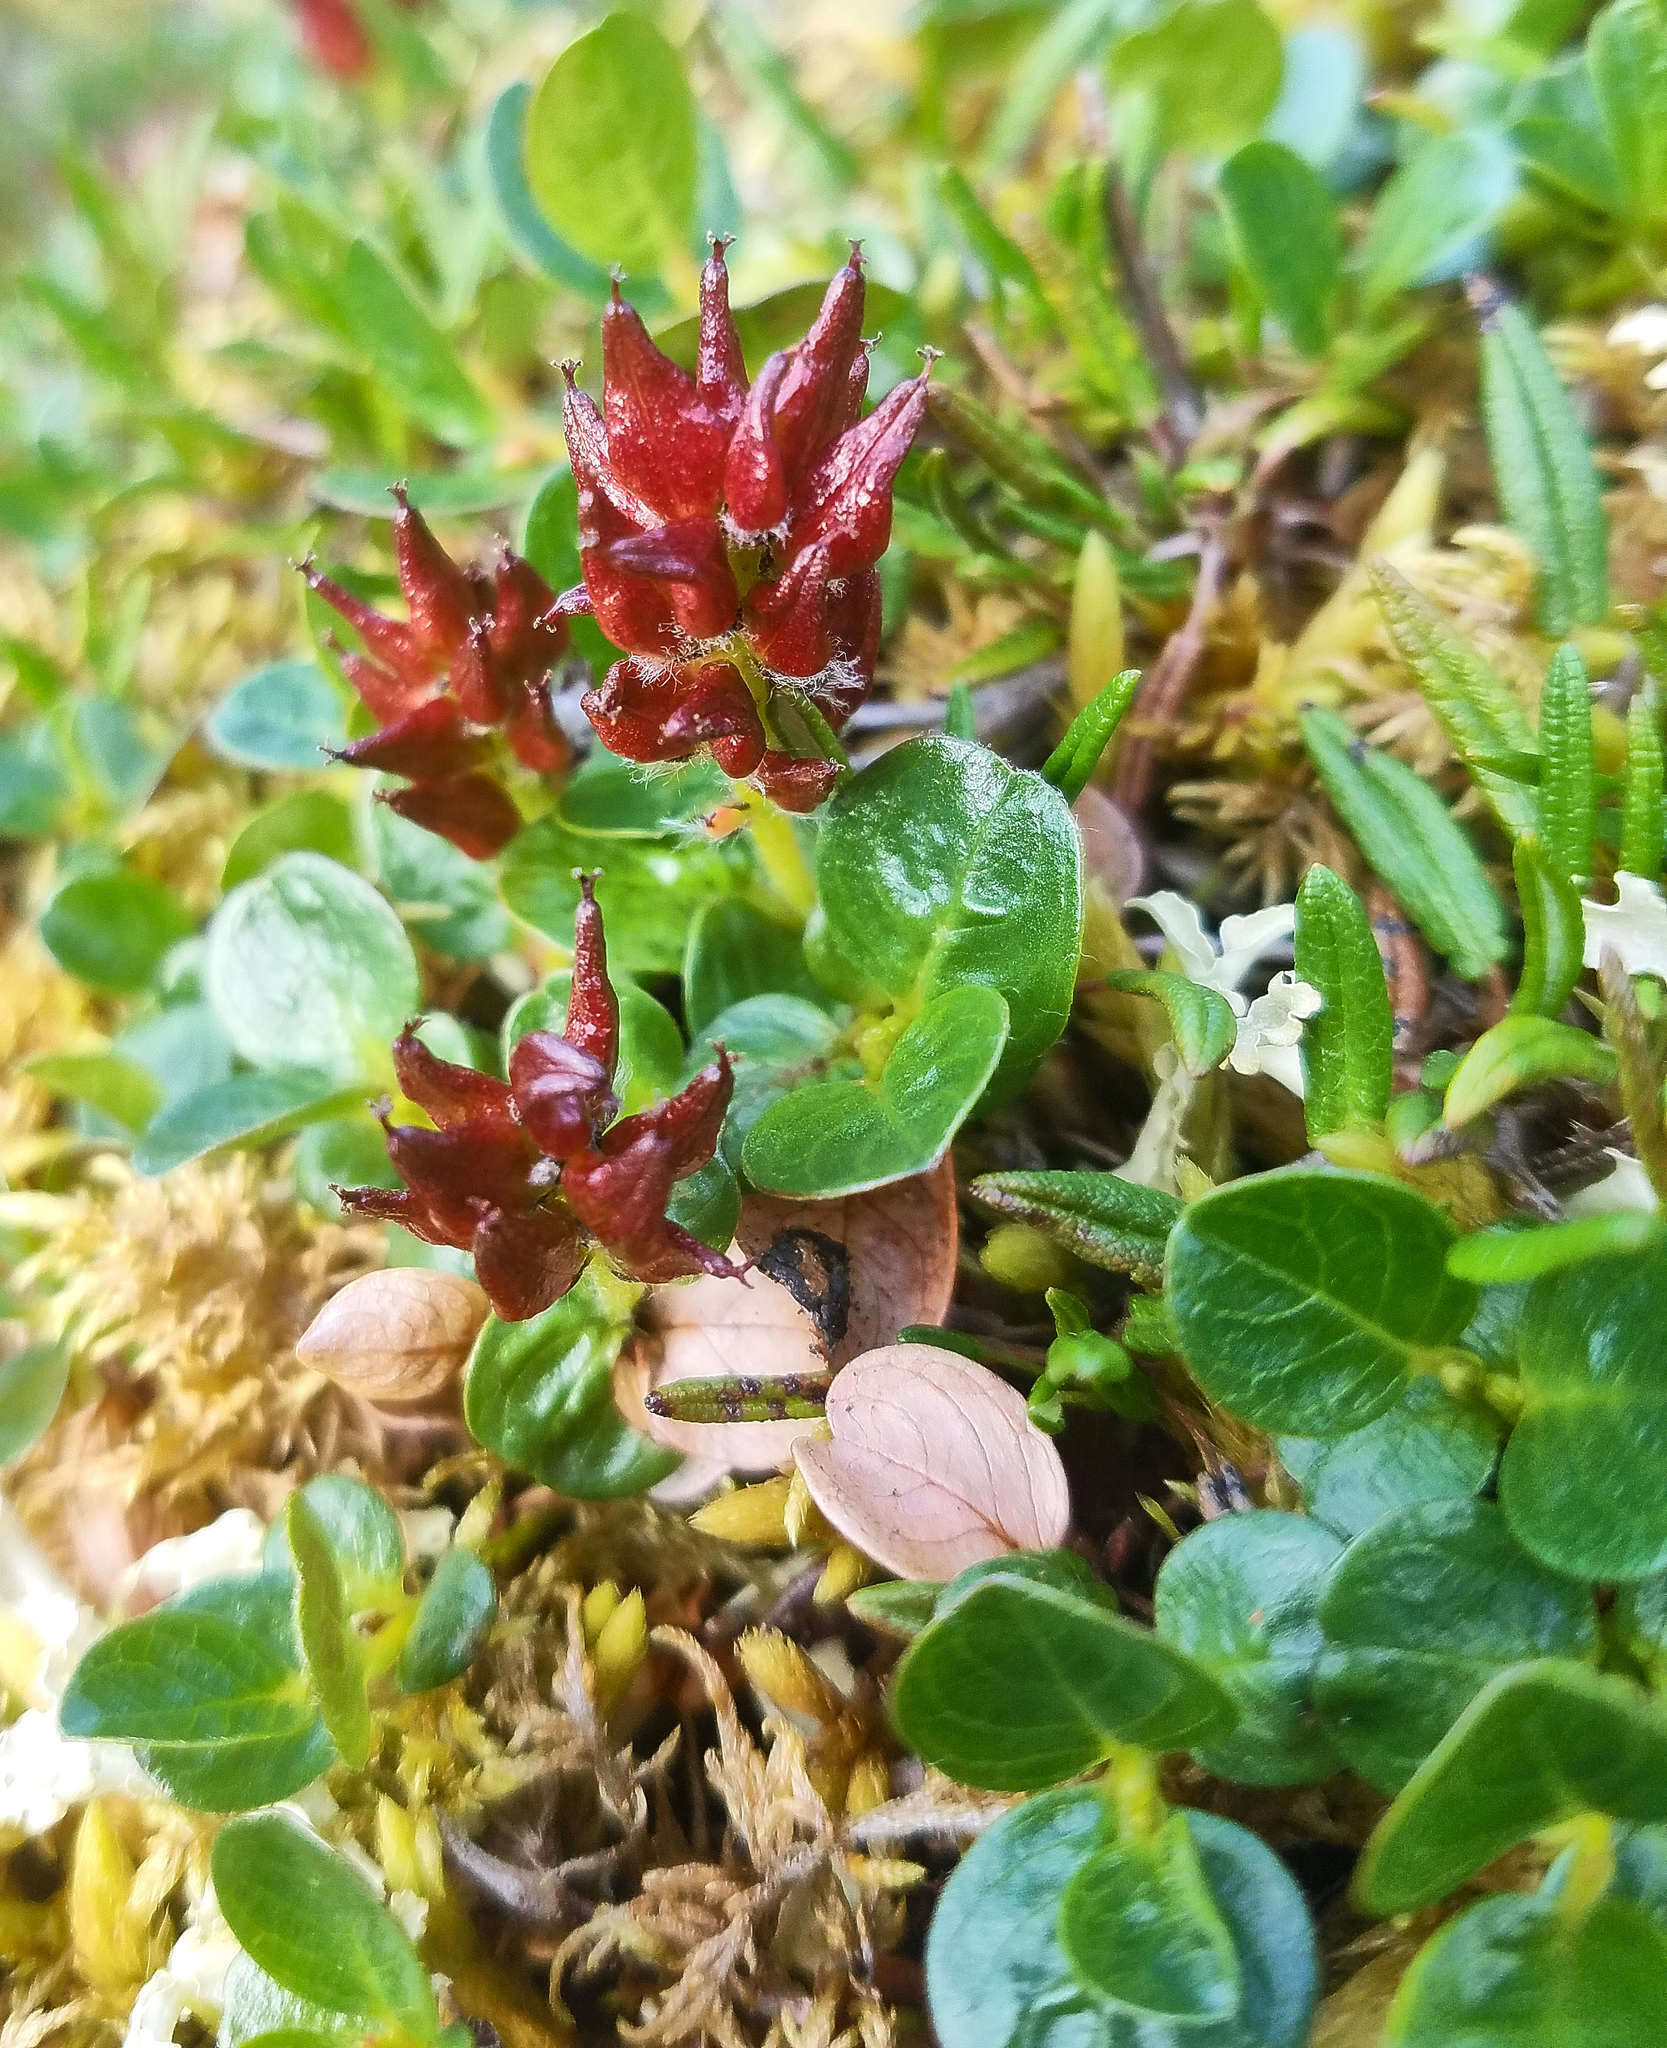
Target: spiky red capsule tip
[(730, 531), (473, 656), (531, 1173)]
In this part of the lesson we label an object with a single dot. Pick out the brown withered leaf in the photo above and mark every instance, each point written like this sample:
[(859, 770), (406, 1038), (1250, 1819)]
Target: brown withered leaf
[(1112, 855), (933, 1464), (397, 1337), (830, 1281)]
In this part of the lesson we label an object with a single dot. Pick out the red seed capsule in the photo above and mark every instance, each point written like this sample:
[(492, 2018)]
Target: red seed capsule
[(439, 597), (475, 813), (592, 1007), (429, 744)]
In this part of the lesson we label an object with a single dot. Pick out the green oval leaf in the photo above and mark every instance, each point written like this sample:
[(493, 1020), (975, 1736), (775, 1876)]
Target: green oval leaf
[(736, 952), (840, 1137), (540, 1394), (362, 1533), (335, 1662), (1306, 1301), (1432, 214), (282, 716), (249, 1109), (306, 966), (1543, 1742), (414, 363), (532, 234), (1418, 1615), (317, 1929), (1139, 1927), (1518, 1052), (611, 147), (1284, 228), (1411, 840), (458, 1608), (997, 1975), (1424, 1448), (1516, 1972), (32, 1383), (112, 930), (1584, 1478), (1509, 1254), (1020, 1685), (1240, 1596), (940, 865)]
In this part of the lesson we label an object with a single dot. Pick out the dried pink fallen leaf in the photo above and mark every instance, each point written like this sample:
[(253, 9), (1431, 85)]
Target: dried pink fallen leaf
[(933, 1464), (898, 1248)]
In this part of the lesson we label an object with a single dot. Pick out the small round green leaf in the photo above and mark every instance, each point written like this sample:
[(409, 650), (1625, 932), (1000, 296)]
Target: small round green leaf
[(1240, 1595), (1418, 1615), (284, 716), (458, 1607), (112, 930), (840, 1137), (1424, 1448), (362, 1532), (540, 1394), (32, 1383), (308, 967), (1584, 1478), (1020, 1684), (997, 1975), (1306, 1300)]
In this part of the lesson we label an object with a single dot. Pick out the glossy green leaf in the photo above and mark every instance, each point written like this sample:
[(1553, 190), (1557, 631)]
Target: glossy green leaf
[(283, 716), (1584, 1480), (117, 1087), (1475, 707), (611, 145), (1201, 1022), (650, 889), (1522, 1052), (532, 234), (1071, 765), (111, 930), (1641, 796), (1348, 1047), (361, 1531), (32, 1383), (1543, 469), (447, 901), (335, 1661), (1418, 1615), (1626, 58), (1139, 1926), (255, 2007), (1020, 1685), (1553, 932), (839, 1137), (249, 1109), (997, 1975), (940, 865), (218, 1712), (1104, 1219), (1431, 218), (1240, 1595), (414, 363), (1412, 841), (1568, 790), (1285, 230), (778, 1043), (310, 1921), (540, 1394), (305, 821), (1207, 69), (736, 951), (1306, 1301), (1519, 1971), (458, 1607), (1541, 1743), (1509, 1255), (306, 966), (1424, 1448), (898, 1607)]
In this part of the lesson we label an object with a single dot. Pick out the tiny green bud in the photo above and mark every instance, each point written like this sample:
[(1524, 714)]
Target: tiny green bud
[(1024, 1259)]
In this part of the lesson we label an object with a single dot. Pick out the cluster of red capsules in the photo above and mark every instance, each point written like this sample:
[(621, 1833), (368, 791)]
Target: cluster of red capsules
[(729, 534), (474, 654), (529, 1174)]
